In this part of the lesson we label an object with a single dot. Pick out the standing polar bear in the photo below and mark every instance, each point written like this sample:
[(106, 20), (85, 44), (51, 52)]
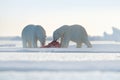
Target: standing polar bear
[(31, 34), (75, 33)]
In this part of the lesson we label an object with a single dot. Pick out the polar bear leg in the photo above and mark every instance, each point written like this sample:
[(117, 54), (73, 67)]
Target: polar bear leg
[(64, 42), (29, 44), (79, 44), (34, 44), (24, 43), (88, 44)]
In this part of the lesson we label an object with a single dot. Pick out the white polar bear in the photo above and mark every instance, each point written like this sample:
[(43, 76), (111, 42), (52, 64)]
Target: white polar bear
[(75, 33), (31, 34)]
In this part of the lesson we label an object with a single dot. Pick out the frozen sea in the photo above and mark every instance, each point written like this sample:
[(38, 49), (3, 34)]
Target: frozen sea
[(101, 62)]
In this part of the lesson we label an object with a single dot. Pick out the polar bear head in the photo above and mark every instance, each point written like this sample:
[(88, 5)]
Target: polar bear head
[(41, 34), (58, 33)]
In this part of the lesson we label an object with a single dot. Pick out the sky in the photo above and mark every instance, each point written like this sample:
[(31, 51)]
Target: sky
[(96, 16)]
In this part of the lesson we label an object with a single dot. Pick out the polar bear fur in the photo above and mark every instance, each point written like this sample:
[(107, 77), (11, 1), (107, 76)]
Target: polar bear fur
[(31, 34), (75, 33)]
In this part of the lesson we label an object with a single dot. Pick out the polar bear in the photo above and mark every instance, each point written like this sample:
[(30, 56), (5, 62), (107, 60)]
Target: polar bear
[(31, 34), (75, 33)]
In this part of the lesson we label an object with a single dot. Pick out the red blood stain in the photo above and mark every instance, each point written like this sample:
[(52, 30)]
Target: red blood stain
[(53, 44)]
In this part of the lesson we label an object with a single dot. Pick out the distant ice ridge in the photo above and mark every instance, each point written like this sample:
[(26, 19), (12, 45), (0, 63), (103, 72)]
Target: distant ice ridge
[(14, 38), (7, 45), (115, 36)]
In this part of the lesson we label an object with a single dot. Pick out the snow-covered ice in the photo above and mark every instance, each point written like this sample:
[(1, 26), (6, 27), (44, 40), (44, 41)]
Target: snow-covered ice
[(102, 62)]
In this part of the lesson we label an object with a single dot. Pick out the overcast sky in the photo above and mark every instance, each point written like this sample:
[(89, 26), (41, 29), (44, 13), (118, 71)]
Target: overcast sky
[(96, 16)]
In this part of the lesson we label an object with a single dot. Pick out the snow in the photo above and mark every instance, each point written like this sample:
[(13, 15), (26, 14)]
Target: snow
[(44, 75), (60, 66), (98, 47), (101, 51), (101, 62)]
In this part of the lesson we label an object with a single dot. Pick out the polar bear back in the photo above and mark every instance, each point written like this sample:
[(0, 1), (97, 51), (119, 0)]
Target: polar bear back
[(37, 30), (78, 33), (40, 33), (60, 32), (74, 33), (28, 31), (31, 34)]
